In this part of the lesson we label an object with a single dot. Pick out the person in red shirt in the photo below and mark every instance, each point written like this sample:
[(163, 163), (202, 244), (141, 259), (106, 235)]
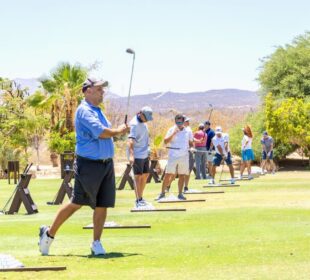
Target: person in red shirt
[(200, 140)]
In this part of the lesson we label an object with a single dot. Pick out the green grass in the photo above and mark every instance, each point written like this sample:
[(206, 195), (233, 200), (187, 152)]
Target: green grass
[(258, 231)]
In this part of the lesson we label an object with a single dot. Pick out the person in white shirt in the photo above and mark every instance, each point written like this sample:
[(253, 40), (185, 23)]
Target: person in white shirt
[(246, 152), (179, 140), (222, 152)]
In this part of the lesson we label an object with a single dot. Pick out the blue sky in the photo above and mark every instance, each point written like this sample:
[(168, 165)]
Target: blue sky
[(181, 45)]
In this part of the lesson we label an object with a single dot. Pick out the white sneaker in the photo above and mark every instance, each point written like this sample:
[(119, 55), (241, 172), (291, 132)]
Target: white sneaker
[(211, 182), (232, 181), (96, 248), (250, 177), (240, 177), (44, 241), (262, 173)]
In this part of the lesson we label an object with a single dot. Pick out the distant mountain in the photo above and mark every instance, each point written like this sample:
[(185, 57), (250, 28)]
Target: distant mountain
[(182, 102), (193, 101), (31, 84)]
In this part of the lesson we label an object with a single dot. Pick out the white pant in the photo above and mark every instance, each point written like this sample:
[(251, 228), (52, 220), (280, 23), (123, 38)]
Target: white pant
[(182, 163)]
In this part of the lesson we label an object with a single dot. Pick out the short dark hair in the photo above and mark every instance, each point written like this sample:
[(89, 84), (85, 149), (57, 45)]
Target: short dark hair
[(207, 123), (179, 116)]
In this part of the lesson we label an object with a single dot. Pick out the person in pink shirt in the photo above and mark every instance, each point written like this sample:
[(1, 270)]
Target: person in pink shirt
[(200, 140)]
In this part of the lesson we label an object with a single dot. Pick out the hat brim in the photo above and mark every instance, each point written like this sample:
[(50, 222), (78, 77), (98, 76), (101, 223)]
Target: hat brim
[(218, 132), (101, 83)]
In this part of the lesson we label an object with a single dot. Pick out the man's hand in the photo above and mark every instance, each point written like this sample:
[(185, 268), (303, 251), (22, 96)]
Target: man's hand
[(123, 128), (176, 130), (131, 160)]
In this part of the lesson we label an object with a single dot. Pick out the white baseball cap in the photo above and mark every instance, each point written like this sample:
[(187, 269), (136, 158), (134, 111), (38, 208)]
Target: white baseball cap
[(218, 130)]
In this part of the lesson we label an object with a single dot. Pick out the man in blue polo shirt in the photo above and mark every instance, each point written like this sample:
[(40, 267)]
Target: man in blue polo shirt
[(94, 170)]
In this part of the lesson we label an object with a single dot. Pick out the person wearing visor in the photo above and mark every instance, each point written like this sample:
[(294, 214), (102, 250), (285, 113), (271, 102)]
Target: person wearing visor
[(137, 149), (179, 140), (94, 183), (222, 152)]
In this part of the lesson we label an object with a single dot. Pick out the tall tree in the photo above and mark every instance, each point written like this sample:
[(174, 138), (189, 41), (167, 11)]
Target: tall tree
[(63, 89), (286, 73)]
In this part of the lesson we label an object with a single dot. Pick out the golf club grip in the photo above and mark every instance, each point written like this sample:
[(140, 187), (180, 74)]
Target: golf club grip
[(126, 116)]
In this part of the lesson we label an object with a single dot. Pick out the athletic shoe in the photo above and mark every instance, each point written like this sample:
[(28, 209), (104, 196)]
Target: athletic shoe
[(240, 177), (262, 173), (211, 182), (181, 197), (185, 189), (273, 172), (161, 195), (44, 240), (96, 248), (250, 177), (232, 181)]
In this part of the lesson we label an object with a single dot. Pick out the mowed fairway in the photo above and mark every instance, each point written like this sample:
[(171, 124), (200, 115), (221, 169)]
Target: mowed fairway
[(260, 230)]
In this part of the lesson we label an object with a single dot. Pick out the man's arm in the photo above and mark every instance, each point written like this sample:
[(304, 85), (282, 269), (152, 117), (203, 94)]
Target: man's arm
[(111, 132), (130, 144), (169, 138)]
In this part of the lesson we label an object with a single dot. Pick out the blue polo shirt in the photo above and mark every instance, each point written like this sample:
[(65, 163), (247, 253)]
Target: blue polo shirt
[(90, 122), (210, 134)]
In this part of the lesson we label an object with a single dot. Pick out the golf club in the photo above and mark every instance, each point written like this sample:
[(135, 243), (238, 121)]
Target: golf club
[(130, 51), (210, 114)]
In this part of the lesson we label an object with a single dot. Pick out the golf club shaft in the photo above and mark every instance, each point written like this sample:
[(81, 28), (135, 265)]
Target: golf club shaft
[(129, 91)]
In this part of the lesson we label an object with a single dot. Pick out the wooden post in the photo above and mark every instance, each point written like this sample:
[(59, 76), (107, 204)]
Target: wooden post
[(153, 174), (22, 195), (126, 177), (65, 188)]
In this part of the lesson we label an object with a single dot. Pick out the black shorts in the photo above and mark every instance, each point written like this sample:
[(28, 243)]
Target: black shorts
[(141, 166), (94, 183)]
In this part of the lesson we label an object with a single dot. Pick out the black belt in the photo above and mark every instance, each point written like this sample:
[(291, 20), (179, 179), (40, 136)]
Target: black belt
[(106, 160)]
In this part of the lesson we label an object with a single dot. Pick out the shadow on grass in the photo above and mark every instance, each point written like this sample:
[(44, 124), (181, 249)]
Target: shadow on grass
[(111, 255)]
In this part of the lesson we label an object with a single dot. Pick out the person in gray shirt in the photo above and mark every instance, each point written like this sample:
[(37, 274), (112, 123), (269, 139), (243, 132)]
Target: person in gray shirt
[(267, 153), (138, 143)]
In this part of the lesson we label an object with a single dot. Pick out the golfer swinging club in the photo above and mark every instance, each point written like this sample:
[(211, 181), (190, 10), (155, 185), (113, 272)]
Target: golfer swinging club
[(221, 145), (138, 143), (93, 170)]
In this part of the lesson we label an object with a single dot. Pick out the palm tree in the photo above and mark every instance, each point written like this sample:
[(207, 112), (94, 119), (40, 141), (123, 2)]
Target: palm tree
[(64, 93), (63, 89)]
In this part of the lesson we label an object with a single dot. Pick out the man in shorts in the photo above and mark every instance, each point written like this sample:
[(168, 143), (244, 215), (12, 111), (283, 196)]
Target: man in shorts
[(179, 140), (93, 170), (138, 144), (222, 152), (267, 153)]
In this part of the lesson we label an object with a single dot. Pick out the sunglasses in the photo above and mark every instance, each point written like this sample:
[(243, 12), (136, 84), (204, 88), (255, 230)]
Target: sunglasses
[(179, 122)]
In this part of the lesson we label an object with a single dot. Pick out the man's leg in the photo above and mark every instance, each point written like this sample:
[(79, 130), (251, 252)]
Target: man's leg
[(272, 165), (63, 214), (139, 182), (231, 170), (242, 167), (99, 217), (203, 166), (166, 182), (143, 182), (198, 165), (181, 183)]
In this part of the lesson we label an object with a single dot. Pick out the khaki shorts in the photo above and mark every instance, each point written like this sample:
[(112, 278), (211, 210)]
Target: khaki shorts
[(178, 165), (210, 155)]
